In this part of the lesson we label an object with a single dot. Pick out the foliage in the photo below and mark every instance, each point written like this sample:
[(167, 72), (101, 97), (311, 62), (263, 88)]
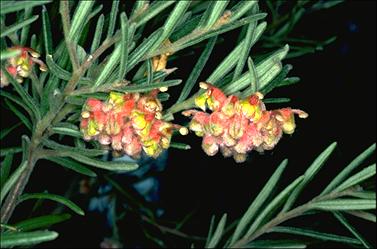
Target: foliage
[(128, 53)]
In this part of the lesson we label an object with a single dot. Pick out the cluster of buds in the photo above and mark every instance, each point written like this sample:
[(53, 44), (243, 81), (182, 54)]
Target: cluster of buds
[(20, 66), (237, 126), (129, 123)]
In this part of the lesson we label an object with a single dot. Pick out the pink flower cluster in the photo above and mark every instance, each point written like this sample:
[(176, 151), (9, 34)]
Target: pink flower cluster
[(237, 126), (20, 66), (130, 123)]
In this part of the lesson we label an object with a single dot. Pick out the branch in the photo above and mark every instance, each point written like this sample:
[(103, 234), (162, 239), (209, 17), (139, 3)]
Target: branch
[(284, 216)]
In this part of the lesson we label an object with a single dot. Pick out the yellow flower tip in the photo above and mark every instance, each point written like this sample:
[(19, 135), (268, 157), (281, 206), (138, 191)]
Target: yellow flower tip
[(19, 79), (302, 114), (203, 85), (259, 95), (163, 89), (200, 101), (199, 133), (115, 98), (23, 73), (165, 142), (183, 131), (188, 113), (240, 157), (279, 118), (85, 114), (158, 115), (43, 68)]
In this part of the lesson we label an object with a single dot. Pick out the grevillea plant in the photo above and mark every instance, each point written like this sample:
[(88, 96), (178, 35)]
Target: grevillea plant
[(95, 83)]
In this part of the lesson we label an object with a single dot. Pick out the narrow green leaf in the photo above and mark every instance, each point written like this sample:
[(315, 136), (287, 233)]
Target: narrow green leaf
[(64, 148), (254, 81), (154, 9), (97, 34), (114, 166), (27, 238), (258, 202), (226, 65), (25, 29), (276, 244), (44, 221), (265, 71), (79, 19), (149, 71), (218, 233), (11, 150), (309, 174), (148, 87), (6, 54), (195, 73), (66, 131), (185, 29), (245, 50), (196, 37), (276, 100), (12, 180), (216, 12), (23, 94), (8, 7), (6, 131), (18, 101), (59, 72), (357, 178), (95, 11), (314, 234), (277, 80), (210, 230), (19, 114), (13, 28), (124, 45), (363, 215), (137, 55), (180, 146), (72, 165), (289, 81), (5, 168), (138, 7), (159, 75), (345, 204), (46, 28), (52, 197), (241, 8), (348, 169), (363, 194), (355, 233), (25, 144), (163, 97), (273, 205), (113, 17)]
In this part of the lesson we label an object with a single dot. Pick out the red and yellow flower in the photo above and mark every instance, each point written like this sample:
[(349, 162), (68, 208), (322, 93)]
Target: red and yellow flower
[(130, 123), (237, 126), (20, 66)]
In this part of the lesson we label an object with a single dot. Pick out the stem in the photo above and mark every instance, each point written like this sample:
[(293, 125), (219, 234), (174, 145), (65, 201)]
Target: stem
[(34, 152), (173, 231), (11, 200), (64, 11), (184, 105), (284, 216)]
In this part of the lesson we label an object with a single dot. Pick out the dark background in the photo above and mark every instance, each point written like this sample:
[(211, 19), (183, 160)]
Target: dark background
[(337, 89)]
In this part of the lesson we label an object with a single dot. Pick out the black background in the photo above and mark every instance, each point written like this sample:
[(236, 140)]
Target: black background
[(337, 89)]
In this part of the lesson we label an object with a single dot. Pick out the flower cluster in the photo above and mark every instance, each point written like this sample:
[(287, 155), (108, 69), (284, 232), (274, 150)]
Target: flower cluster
[(237, 126), (129, 122), (20, 66)]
